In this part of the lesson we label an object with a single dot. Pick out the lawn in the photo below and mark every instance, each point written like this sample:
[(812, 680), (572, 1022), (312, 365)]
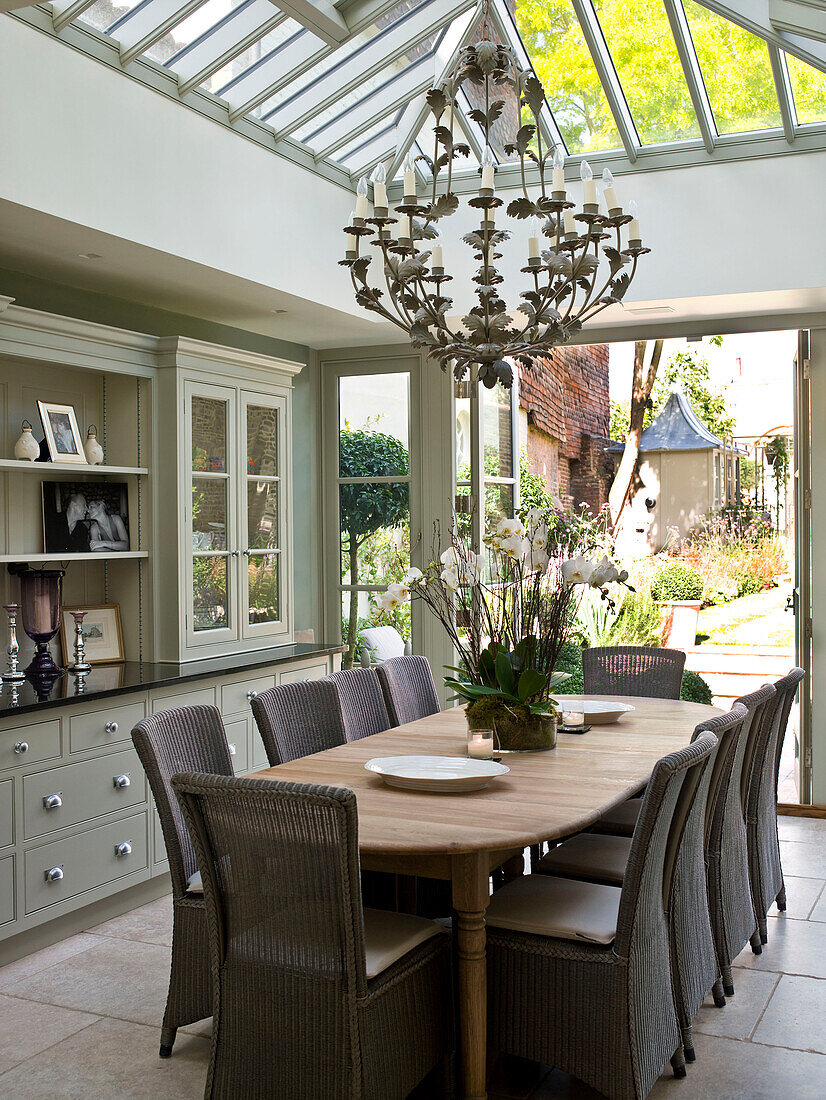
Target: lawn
[(760, 620)]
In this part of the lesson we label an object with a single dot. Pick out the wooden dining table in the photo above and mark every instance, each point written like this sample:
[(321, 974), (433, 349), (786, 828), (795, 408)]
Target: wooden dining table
[(463, 837)]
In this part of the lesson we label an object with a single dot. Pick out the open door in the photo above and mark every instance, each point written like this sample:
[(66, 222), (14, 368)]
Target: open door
[(802, 596)]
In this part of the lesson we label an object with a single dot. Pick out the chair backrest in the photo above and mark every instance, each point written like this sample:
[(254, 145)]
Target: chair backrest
[(363, 708), (281, 882), (760, 707), (641, 923), (633, 670), (728, 729), (298, 719), (762, 781), (409, 690), (184, 739), (382, 643)]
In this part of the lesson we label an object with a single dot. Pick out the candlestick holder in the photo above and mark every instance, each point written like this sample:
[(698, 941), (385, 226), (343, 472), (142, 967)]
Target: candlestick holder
[(13, 673), (81, 665)]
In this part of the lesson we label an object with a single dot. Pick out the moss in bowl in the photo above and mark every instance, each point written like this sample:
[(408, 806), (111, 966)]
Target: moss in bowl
[(515, 729)]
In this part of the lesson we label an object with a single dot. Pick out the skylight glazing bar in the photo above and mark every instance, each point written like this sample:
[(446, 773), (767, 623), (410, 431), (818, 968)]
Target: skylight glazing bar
[(244, 27), (147, 24), (388, 46), (63, 13), (379, 148), (320, 17), (592, 32), (783, 86), (389, 97), (693, 74)]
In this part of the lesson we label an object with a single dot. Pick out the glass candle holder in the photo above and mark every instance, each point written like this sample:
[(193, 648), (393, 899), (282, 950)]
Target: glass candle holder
[(480, 744), (573, 718), (40, 600)]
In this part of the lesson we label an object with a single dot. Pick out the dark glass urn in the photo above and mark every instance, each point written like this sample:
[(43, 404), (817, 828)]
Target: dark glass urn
[(41, 598)]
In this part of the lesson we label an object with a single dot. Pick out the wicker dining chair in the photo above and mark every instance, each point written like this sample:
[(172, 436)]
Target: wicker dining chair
[(765, 869), (297, 720), (408, 687), (579, 973), (314, 997), (180, 740), (363, 708), (633, 670)]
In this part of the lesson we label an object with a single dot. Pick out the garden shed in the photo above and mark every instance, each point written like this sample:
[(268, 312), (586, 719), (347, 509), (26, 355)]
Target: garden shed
[(685, 472)]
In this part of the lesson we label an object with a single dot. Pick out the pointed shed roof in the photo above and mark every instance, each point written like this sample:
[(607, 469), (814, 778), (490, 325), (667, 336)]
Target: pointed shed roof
[(677, 428)]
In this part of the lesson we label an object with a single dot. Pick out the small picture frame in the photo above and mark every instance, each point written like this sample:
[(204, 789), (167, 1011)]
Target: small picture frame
[(102, 635), (63, 436)]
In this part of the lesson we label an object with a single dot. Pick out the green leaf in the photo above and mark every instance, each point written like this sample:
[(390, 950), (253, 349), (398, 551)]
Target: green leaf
[(504, 672), (531, 682)]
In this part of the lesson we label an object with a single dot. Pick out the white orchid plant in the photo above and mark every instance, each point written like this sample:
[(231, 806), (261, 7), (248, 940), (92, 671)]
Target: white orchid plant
[(508, 609)]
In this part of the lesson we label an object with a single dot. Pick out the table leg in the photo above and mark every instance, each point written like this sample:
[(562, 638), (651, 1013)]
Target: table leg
[(471, 896)]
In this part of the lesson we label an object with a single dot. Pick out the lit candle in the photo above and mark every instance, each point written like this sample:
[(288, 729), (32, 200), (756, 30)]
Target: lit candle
[(633, 225), (379, 178), (436, 258), (568, 223), (608, 189), (409, 176), (361, 198), (480, 744), (559, 170), (533, 239), (488, 163), (589, 186)]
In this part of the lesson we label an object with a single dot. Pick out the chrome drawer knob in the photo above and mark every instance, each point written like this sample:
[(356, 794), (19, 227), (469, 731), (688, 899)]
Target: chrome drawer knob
[(20, 747), (232, 749), (53, 801), (111, 727), (53, 874), (124, 848), (251, 695), (121, 781)]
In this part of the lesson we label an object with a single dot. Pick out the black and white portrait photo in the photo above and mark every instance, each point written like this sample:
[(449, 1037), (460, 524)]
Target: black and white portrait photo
[(82, 518)]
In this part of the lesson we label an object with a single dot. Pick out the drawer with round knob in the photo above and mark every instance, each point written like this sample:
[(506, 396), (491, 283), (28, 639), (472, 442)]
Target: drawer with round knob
[(315, 671), (110, 725), (68, 795), (236, 698), (6, 889), (25, 745), (62, 869)]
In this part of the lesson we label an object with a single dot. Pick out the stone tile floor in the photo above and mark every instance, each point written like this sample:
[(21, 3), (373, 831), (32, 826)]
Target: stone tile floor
[(80, 1019)]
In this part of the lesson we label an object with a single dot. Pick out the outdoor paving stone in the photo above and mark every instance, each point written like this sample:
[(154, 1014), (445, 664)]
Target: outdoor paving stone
[(804, 859), (795, 1015), (738, 1019), (801, 828), (801, 895), (794, 947), (819, 911)]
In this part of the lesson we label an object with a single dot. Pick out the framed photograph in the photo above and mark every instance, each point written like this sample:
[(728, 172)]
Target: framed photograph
[(82, 517), (63, 436), (102, 637)]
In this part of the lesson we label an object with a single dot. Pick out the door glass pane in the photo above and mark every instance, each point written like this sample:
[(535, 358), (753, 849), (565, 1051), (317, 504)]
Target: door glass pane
[(262, 515), (262, 578), (209, 434), (375, 532), (808, 89), (209, 513), (736, 70), (645, 56), (498, 438), (373, 425), (361, 608), (209, 593), (262, 440), (560, 57), (498, 504)]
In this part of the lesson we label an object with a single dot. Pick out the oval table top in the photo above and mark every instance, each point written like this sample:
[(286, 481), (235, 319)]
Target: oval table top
[(546, 794)]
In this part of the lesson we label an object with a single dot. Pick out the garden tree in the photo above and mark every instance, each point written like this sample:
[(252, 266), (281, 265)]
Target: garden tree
[(627, 476), (367, 507), (690, 371)]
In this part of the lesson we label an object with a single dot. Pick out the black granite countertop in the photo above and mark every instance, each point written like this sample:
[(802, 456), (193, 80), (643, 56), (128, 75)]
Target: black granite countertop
[(107, 680)]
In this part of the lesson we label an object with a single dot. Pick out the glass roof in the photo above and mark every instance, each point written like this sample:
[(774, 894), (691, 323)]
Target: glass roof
[(622, 79)]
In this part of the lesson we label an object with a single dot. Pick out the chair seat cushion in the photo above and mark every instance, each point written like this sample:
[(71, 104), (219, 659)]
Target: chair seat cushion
[(389, 936), (194, 884), (561, 907), (621, 820), (593, 856)]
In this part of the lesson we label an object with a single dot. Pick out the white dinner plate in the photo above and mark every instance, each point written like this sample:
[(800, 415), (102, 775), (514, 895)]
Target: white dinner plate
[(447, 774), (598, 712)]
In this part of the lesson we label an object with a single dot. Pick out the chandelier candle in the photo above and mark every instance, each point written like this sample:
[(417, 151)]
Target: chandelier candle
[(634, 235), (578, 263), (609, 193)]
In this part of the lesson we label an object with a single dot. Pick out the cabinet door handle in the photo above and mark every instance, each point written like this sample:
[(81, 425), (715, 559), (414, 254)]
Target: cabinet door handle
[(121, 781), (232, 749), (246, 553), (53, 874), (251, 695), (111, 727), (124, 848), (235, 553), (21, 747), (53, 801)]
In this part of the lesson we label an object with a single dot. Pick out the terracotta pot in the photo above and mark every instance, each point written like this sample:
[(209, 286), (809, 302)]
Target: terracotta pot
[(680, 622)]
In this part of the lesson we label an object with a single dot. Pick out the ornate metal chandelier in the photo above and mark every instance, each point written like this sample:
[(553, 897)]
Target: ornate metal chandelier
[(572, 276)]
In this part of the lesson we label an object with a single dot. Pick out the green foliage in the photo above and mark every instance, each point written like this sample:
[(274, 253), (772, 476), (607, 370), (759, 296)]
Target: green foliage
[(737, 552), (619, 420), (694, 688), (750, 584), (690, 371), (533, 489), (677, 581), (505, 674), (635, 621)]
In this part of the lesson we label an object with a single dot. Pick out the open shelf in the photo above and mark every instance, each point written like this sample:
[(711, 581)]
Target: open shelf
[(23, 467), (115, 555)]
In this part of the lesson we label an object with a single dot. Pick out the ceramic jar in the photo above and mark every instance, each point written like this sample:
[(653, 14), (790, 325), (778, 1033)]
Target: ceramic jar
[(92, 449), (27, 448)]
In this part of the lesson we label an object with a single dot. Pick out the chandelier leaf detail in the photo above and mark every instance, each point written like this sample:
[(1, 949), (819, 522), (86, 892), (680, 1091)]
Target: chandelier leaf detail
[(572, 273)]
